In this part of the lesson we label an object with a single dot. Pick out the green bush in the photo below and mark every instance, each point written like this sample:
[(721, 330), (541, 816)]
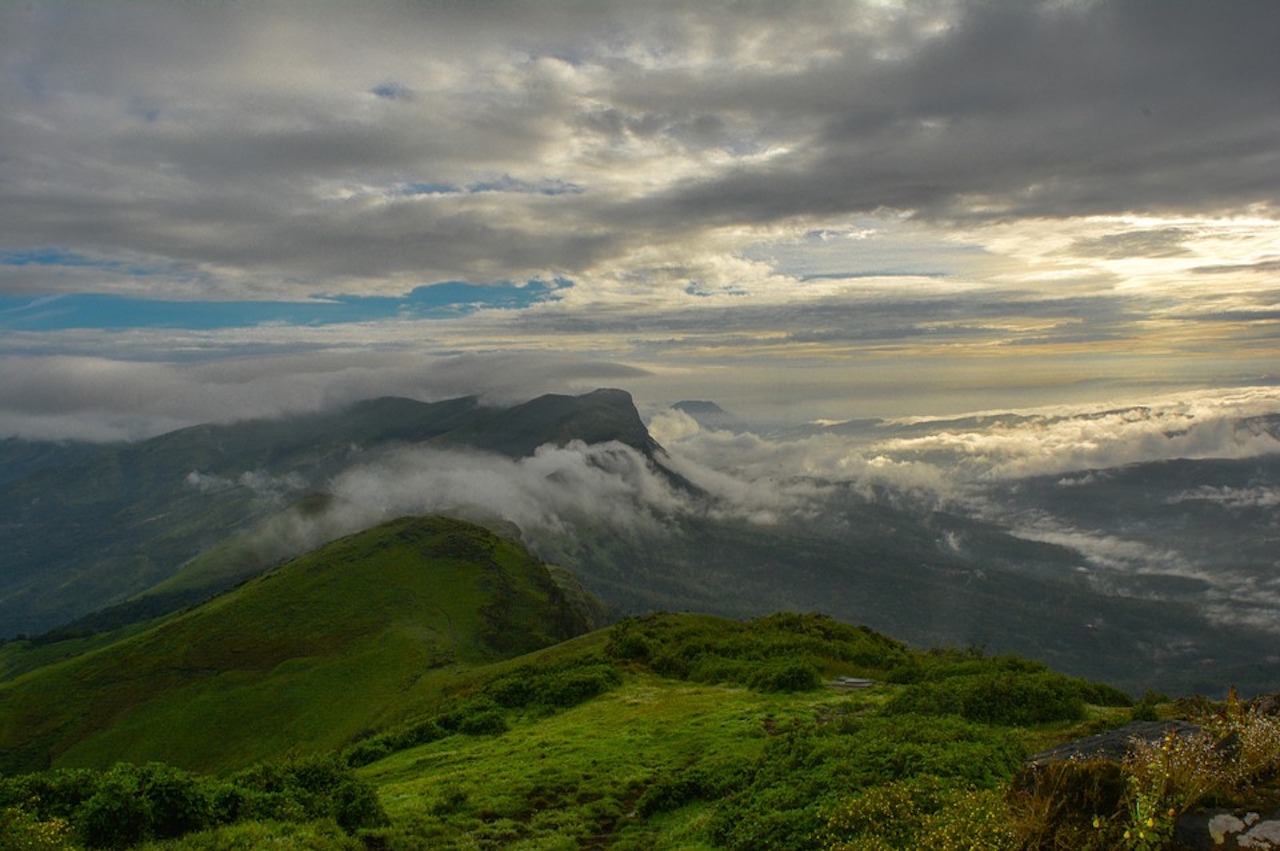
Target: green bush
[(555, 687), (1146, 708), (807, 770), (20, 830), (115, 816), (180, 803), (785, 676), (706, 781), (49, 794), (322, 835), (1101, 694), (1003, 699), (307, 789), (921, 813), (774, 653), (630, 647)]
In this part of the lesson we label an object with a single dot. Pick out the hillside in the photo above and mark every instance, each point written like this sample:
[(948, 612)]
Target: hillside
[(409, 687), (1165, 561), (301, 659), (87, 526), (695, 732)]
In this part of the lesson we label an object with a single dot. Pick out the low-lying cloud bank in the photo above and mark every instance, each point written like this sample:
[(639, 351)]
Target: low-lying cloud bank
[(608, 483), (101, 399), (952, 456), (1239, 423)]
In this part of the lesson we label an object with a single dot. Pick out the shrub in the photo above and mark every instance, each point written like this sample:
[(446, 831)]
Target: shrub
[(115, 816), (769, 653), (476, 717), (921, 813), (20, 830), (1134, 804), (705, 781), (179, 802), (628, 645), (1055, 806), (783, 796), (50, 794), (555, 687), (307, 789), (786, 676), (322, 835), (132, 803), (1003, 699), (1102, 694)]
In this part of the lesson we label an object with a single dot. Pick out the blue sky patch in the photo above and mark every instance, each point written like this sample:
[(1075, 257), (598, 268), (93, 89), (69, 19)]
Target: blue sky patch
[(61, 257), (506, 184), (391, 91), (113, 312)]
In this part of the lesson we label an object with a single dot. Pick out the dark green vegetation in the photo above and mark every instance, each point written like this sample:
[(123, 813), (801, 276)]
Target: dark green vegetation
[(126, 805), (410, 687), (886, 564), (308, 655), (98, 538), (86, 526)]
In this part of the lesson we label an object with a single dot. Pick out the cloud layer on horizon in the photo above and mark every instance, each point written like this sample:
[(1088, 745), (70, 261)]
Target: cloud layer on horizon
[(856, 198)]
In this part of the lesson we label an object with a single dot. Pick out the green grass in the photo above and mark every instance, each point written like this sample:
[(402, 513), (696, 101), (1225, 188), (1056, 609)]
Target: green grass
[(423, 659), (578, 776), (302, 659), (658, 732)]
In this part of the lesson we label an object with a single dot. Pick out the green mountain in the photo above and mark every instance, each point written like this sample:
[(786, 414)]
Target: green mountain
[(98, 538), (350, 636), (407, 688), (90, 526)]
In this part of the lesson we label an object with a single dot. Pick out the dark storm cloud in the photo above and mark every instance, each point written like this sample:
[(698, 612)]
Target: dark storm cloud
[(668, 158), (257, 139), (1026, 109)]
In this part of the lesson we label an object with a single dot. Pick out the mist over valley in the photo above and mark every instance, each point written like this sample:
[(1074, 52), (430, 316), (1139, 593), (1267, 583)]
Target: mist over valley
[(1087, 538)]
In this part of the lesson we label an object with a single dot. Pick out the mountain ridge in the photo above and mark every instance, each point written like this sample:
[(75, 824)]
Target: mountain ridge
[(384, 616), (91, 526)]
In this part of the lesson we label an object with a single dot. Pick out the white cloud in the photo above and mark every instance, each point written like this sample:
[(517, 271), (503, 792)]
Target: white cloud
[(261, 483), (1218, 424), (1229, 497), (101, 399), (547, 493)]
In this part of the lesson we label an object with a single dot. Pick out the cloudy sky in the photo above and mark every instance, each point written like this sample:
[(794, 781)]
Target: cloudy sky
[(801, 210)]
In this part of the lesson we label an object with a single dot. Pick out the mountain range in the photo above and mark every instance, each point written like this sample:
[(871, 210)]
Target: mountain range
[(104, 536), (89, 526)]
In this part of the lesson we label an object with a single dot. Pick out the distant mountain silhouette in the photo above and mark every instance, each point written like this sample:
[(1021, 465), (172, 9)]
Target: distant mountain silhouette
[(88, 526)]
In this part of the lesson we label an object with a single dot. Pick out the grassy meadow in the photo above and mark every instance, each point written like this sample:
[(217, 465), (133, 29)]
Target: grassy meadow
[(429, 685)]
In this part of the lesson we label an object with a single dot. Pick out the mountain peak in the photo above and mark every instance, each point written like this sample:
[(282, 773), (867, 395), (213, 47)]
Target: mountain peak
[(600, 416), (693, 407), (394, 609)]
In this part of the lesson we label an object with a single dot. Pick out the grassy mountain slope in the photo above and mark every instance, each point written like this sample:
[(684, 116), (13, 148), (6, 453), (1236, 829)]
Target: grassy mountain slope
[(893, 571), (301, 658), (688, 731), (87, 526), (662, 731)]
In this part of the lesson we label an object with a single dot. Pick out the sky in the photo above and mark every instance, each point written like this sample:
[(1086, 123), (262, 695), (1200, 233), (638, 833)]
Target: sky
[(801, 210)]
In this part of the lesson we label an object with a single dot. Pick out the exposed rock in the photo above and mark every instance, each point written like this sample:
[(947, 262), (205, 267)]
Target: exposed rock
[(1266, 704), (1114, 744), (1223, 830)]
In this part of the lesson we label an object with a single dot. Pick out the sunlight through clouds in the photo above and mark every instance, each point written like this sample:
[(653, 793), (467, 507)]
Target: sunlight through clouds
[(814, 208)]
